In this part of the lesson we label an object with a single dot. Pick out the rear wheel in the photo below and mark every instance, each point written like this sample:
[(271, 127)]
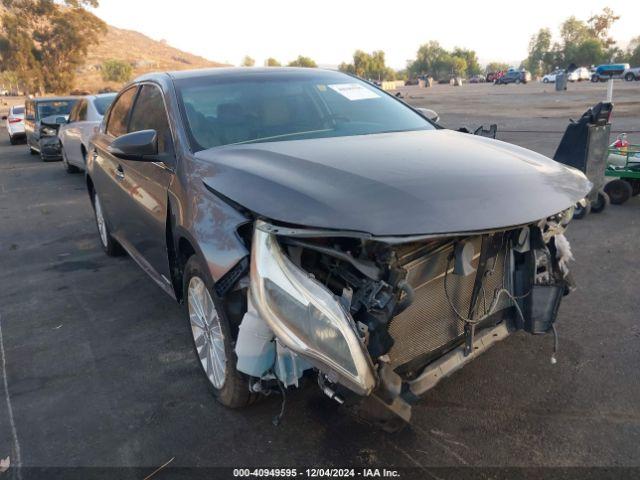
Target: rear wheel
[(212, 339), (70, 168), (12, 140), (545, 80), (635, 185), (629, 77), (110, 246), (602, 201), (619, 191)]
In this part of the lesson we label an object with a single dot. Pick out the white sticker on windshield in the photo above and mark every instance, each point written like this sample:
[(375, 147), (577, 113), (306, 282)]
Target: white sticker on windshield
[(353, 91)]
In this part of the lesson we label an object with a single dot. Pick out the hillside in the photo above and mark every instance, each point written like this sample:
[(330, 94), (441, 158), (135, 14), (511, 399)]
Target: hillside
[(142, 52)]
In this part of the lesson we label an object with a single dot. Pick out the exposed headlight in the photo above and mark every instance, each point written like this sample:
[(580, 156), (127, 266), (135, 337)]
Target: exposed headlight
[(305, 316), (48, 132)]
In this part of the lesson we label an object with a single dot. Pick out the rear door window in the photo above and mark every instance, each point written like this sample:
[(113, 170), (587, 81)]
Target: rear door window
[(119, 116)]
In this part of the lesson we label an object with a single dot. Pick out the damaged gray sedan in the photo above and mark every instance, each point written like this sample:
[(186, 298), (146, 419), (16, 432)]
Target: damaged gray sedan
[(319, 228)]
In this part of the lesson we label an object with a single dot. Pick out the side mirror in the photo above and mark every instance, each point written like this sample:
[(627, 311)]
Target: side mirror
[(141, 146), (430, 114)]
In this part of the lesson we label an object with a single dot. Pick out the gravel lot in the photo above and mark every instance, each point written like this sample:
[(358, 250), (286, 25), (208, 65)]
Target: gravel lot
[(100, 371)]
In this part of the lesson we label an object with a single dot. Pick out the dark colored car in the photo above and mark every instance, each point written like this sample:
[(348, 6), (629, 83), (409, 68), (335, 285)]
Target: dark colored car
[(316, 226), (513, 76), (42, 138)]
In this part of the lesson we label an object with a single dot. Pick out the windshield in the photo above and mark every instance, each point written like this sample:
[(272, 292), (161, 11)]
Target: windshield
[(266, 107), (102, 103), (55, 107), (18, 110)]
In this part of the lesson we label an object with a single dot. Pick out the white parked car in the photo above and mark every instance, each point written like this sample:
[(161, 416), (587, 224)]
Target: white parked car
[(15, 123), (551, 77), (579, 74), (84, 119), (631, 74)]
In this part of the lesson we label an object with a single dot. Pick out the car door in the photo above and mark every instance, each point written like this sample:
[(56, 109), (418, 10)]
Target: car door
[(144, 208), (106, 172), (73, 140), (66, 133), (29, 123)]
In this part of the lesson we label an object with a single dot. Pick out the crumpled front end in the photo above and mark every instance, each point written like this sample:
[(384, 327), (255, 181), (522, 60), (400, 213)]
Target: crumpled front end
[(382, 320)]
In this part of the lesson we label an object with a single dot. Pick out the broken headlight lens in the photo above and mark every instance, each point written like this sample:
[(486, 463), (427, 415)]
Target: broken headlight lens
[(305, 316)]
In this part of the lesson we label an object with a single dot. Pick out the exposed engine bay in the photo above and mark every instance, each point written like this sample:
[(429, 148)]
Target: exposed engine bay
[(383, 320)]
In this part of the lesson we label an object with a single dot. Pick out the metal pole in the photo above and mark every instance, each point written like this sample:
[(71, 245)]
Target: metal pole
[(610, 90)]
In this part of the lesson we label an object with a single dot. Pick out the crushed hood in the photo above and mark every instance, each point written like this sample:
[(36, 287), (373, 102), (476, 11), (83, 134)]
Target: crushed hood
[(405, 183)]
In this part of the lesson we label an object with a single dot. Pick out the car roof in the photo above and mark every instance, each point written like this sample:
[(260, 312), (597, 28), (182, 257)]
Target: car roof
[(221, 72), (52, 99)]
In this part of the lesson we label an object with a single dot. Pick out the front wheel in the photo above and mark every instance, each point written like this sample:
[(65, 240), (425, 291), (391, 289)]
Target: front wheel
[(545, 80), (602, 201), (581, 211), (629, 77), (212, 340)]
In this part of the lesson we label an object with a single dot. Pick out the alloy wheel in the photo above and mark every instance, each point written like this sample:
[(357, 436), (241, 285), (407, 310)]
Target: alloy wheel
[(207, 332), (102, 226)]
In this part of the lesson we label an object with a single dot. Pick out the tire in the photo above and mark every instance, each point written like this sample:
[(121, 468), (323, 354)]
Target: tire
[(12, 140), (601, 202), (518, 81), (210, 328), (635, 186), (594, 79), (619, 191), (33, 151), (580, 211), (68, 167), (629, 77), (110, 246), (545, 80)]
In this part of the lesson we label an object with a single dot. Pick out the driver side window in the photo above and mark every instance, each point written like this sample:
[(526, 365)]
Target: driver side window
[(119, 116)]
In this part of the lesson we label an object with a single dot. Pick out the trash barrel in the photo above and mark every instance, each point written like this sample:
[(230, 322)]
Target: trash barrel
[(561, 82)]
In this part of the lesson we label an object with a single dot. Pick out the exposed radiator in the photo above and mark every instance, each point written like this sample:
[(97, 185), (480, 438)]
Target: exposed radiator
[(430, 323)]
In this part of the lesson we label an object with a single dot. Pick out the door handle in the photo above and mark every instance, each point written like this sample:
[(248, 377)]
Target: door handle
[(119, 172)]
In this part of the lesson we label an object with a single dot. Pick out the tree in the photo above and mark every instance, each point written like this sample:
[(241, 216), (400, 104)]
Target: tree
[(272, 62), (589, 52), (44, 42), (116, 71), (302, 61), (573, 31), (539, 45), (600, 25), (471, 59), (496, 67), (368, 66), (427, 56), (634, 52), (247, 61)]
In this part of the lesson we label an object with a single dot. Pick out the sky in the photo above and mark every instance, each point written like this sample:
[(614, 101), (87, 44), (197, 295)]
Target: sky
[(329, 31)]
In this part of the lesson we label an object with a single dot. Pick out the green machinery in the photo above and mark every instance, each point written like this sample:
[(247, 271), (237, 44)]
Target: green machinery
[(623, 163)]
